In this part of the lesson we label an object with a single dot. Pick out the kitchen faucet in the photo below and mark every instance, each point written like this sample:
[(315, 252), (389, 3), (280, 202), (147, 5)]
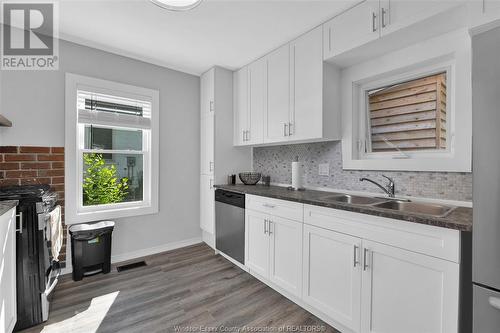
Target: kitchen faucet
[(389, 189)]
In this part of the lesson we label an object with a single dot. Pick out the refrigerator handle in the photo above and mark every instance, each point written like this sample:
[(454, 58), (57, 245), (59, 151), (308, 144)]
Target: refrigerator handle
[(494, 302)]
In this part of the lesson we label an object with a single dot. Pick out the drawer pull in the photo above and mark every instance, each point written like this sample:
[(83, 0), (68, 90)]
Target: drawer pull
[(494, 302), (268, 205)]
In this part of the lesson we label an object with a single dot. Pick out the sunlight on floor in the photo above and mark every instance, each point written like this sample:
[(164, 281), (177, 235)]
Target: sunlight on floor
[(88, 320)]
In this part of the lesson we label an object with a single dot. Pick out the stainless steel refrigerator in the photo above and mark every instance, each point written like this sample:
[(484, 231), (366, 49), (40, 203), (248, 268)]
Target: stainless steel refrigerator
[(486, 181)]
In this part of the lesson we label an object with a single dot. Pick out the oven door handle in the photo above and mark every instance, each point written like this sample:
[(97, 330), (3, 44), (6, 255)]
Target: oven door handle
[(52, 286), (54, 283)]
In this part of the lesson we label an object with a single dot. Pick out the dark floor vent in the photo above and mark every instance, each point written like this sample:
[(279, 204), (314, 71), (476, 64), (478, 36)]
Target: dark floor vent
[(131, 266)]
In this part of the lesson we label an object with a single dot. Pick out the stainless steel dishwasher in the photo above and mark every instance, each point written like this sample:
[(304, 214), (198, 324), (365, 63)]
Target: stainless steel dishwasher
[(230, 224)]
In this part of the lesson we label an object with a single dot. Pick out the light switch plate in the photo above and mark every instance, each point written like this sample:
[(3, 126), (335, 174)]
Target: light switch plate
[(324, 169)]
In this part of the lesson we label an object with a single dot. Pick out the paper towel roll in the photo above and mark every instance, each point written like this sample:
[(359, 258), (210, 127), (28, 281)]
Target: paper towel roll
[(296, 175)]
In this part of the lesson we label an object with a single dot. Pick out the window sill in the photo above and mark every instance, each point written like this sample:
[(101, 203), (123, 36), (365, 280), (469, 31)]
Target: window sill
[(109, 214)]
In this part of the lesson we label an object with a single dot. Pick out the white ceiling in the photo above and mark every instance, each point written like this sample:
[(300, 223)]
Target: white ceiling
[(228, 33)]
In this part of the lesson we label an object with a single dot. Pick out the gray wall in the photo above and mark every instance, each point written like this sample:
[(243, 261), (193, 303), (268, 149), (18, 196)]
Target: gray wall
[(276, 162), (34, 102)]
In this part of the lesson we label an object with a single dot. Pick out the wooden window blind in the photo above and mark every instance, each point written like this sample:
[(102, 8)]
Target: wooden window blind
[(409, 116)]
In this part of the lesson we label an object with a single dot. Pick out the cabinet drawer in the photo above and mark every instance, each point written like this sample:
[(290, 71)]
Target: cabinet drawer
[(286, 209), (434, 241)]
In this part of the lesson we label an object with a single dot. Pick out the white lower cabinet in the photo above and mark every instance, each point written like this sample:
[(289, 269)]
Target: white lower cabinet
[(404, 291), (286, 254), (332, 275), (257, 243), (207, 203), (274, 250), (8, 315), (359, 273)]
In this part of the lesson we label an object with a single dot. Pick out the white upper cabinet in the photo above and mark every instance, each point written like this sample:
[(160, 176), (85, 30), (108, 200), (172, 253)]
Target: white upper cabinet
[(397, 14), (207, 93), (277, 117), (257, 101), (357, 26), (407, 292), (250, 89), (240, 100), (306, 58)]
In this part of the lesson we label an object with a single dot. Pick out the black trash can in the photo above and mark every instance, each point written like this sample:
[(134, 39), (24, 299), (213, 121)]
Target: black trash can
[(91, 248)]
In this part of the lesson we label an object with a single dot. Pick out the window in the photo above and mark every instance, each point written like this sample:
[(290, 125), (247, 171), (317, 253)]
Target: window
[(410, 109), (408, 116), (112, 134)]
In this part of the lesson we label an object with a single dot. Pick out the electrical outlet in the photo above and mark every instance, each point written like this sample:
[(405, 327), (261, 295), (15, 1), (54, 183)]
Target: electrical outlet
[(324, 169)]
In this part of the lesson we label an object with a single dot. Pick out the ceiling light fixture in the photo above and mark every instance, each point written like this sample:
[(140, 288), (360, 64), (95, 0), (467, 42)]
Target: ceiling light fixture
[(177, 5)]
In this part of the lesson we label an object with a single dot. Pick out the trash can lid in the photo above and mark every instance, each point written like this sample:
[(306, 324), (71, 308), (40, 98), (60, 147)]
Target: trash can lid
[(91, 226)]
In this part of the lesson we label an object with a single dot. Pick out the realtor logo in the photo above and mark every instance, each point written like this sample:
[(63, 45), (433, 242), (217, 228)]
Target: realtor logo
[(29, 36)]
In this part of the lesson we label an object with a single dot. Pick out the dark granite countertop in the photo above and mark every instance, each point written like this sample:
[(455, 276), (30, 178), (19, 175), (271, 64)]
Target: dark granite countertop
[(6, 205), (459, 219)]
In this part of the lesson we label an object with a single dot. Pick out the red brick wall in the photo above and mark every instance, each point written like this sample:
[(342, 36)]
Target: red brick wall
[(34, 165)]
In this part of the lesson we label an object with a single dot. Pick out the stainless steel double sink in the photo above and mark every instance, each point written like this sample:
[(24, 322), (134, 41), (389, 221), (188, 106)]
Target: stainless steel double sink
[(394, 204)]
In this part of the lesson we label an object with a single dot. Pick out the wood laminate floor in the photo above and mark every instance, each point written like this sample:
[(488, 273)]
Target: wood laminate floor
[(188, 288)]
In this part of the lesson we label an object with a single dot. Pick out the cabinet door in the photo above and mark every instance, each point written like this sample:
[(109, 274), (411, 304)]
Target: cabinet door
[(407, 292), (332, 274), (257, 243), (355, 27), (278, 95), (306, 113), (8, 306), (207, 144), (240, 111), (397, 14), (286, 254), (207, 204), (207, 92), (257, 101)]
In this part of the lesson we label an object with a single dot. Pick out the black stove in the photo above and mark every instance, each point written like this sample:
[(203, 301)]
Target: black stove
[(36, 271)]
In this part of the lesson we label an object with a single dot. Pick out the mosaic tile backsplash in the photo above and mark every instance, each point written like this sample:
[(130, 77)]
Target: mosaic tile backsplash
[(276, 161)]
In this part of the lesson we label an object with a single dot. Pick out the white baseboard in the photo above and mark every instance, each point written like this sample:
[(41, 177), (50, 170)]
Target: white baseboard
[(154, 250), (208, 238), (142, 253)]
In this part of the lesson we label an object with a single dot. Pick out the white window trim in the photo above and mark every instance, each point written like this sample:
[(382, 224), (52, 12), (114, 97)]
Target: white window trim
[(75, 212), (451, 52)]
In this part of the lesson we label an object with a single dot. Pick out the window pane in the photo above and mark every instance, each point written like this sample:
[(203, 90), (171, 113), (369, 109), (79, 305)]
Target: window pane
[(112, 179), (408, 116), (112, 138)]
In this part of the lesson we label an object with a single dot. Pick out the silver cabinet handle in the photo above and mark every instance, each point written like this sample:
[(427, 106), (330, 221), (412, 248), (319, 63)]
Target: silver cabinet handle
[(268, 205), (285, 131), (270, 223), (265, 226), (248, 135), (243, 132), (374, 25), (356, 261), (211, 106), (384, 12), (20, 215), (494, 302), (211, 166), (290, 129), (365, 259), (330, 39)]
